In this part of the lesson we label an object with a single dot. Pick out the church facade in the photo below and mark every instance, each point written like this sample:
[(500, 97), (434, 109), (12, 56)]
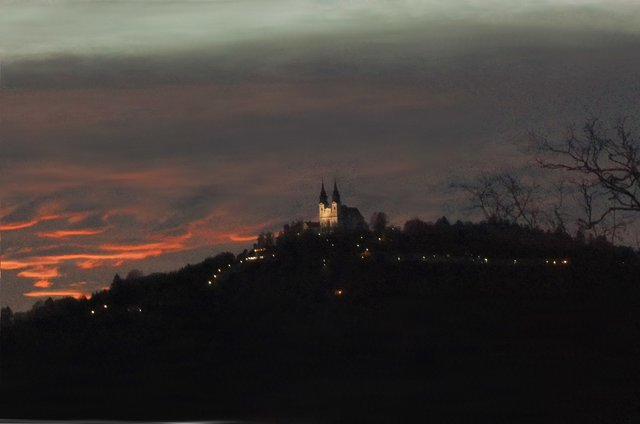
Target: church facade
[(337, 216)]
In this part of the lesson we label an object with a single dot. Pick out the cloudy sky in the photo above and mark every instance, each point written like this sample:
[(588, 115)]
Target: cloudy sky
[(151, 134)]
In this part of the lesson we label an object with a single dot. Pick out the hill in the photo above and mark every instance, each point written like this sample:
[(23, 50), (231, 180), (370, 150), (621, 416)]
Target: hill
[(482, 322)]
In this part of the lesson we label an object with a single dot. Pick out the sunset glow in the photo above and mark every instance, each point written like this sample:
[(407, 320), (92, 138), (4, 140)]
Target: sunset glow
[(234, 237), (40, 272), (54, 293), (131, 146), (70, 233)]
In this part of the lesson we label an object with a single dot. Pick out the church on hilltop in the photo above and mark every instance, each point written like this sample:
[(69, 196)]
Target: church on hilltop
[(336, 216)]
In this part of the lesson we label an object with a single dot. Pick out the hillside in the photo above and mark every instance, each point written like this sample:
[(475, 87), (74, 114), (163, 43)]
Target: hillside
[(454, 323)]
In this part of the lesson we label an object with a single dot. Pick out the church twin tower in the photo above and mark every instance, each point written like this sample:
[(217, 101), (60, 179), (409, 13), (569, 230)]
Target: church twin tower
[(329, 215), (337, 215)]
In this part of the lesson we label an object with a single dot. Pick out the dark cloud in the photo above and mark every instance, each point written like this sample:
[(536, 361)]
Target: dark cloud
[(181, 154)]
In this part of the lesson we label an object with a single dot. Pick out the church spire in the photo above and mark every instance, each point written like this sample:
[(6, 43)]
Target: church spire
[(335, 197), (323, 194)]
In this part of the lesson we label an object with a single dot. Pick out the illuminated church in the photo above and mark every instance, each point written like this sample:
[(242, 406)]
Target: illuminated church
[(335, 215)]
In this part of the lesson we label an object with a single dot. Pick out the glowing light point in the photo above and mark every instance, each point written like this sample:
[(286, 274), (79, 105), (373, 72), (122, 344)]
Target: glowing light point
[(93, 312)]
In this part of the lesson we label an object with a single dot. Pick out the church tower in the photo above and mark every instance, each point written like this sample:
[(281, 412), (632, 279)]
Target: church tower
[(329, 215), (335, 197), (324, 203), (335, 201)]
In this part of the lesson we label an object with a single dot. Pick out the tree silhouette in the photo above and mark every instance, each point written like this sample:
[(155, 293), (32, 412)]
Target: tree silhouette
[(378, 222), (606, 162), (6, 316), (504, 197)]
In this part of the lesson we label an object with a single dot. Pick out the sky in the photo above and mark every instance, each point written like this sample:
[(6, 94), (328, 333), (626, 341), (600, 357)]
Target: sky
[(151, 134)]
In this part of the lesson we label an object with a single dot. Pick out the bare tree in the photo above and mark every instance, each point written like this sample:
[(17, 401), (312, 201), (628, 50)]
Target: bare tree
[(504, 197), (607, 162)]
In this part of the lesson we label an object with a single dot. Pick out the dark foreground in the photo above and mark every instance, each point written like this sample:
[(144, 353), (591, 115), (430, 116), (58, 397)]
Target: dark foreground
[(274, 341)]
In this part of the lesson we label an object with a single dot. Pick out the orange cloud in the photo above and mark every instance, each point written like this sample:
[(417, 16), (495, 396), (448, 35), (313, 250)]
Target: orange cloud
[(70, 233), (234, 237), (143, 247), (97, 256), (56, 293), (7, 265), (19, 225), (169, 244), (40, 272), (43, 284), (89, 264), (73, 217)]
